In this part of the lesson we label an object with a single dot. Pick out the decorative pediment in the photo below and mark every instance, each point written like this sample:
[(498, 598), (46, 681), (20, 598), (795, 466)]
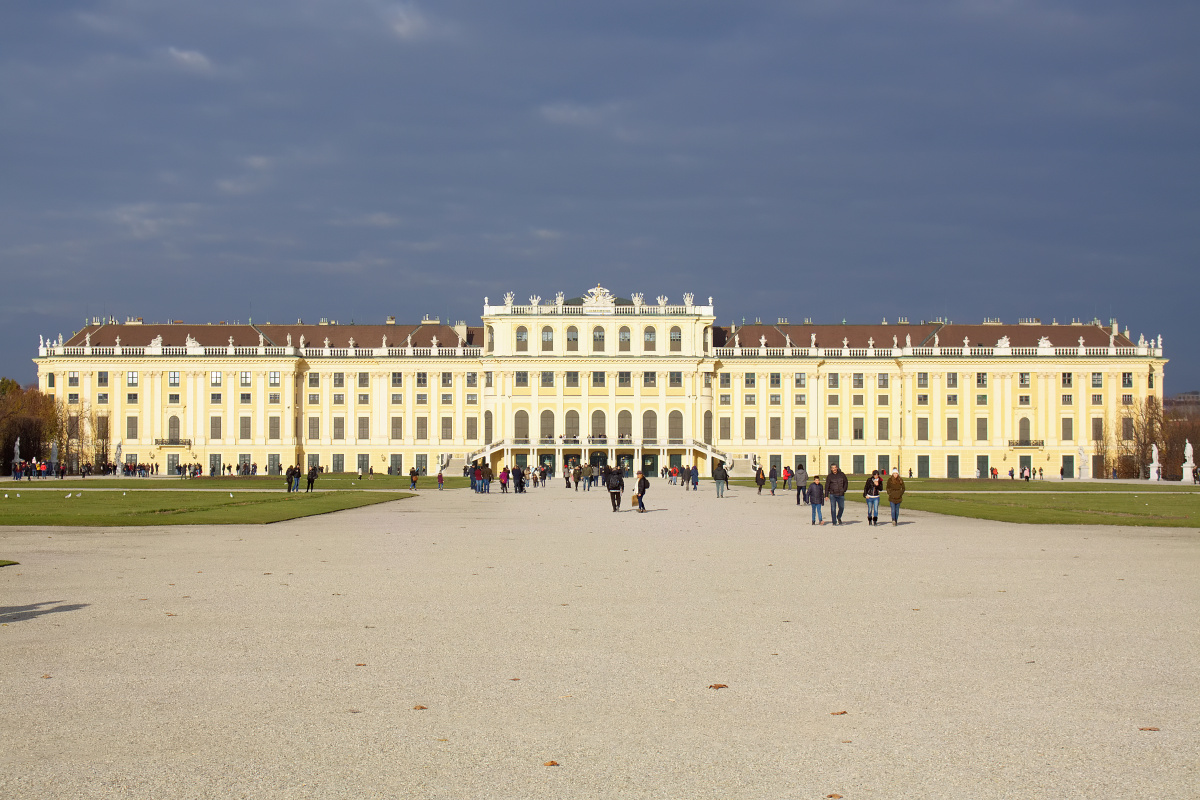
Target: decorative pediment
[(599, 298)]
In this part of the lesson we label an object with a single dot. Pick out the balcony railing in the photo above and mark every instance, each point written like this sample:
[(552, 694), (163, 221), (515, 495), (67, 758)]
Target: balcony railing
[(173, 442), (1026, 442)]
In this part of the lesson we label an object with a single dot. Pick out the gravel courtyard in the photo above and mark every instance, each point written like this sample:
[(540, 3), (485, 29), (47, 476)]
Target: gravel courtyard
[(450, 645)]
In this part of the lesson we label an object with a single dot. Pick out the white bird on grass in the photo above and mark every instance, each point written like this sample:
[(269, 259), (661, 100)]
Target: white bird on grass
[(79, 494), (68, 495), (231, 494)]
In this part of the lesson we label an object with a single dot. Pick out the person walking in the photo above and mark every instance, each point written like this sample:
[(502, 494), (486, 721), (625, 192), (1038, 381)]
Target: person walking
[(288, 478), (615, 485), (566, 473), (441, 481), (642, 486), (835, 488), (816, 499), (504, 480), (801, 476), (587, 477), (895, 493), (774, 478), (720, 476), (695, 477), (760, 478), (872, 491), (312, 478)]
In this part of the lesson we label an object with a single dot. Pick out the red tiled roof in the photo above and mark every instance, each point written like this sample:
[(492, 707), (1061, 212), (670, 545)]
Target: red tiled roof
[(275, 335)]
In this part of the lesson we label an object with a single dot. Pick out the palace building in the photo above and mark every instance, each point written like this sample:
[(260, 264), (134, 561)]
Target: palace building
[(607, 380)]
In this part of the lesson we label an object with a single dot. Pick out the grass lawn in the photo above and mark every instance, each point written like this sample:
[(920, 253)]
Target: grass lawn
[(329, 482), (175, 508), (1143, 508)]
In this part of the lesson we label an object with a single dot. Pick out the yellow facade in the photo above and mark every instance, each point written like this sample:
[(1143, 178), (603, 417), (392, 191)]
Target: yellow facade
[(601, 379)]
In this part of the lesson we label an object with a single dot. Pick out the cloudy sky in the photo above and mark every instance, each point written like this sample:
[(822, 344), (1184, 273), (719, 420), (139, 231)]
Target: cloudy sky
[(352, 159)]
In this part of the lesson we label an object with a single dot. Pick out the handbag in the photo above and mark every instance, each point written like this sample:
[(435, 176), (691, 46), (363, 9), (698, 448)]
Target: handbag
[(633, 500)]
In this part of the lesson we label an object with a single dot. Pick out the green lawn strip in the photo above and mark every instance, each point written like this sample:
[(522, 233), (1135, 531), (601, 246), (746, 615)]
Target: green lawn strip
[(336, 482), (4, 563), (103, 509), (1174, 511)]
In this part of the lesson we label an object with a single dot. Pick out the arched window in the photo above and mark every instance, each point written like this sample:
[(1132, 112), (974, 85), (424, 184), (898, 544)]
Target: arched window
[(522, 339), (521, 427), (708, 427), (1023, 428), (649, 339), (548, 425), (649, 427), (572, 338), (173, 428), (676, 339), (598, 423), (491, 339), (572, 426), (487, 427), (623, 339), (547, 338), (675, 427), (624, 425), (598, 339)]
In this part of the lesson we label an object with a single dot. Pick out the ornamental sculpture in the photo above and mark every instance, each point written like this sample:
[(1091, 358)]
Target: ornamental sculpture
[(688, 297)]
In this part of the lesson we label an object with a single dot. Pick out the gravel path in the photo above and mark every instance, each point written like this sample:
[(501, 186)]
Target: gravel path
[(971, 658)]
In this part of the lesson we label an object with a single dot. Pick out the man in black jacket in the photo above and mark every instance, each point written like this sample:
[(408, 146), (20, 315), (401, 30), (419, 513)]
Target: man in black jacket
[(835, 488), (615, 485)]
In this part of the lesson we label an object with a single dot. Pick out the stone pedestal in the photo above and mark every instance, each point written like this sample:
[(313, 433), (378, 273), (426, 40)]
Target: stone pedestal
[(1155, 471), (1188, 466), (1085, 469)]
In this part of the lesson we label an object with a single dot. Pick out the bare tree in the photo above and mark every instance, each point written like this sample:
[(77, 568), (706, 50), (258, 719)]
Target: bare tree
[(1141, 428)]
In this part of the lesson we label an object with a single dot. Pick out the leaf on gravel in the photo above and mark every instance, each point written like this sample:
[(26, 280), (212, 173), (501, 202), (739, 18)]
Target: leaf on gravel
[(419, 708), (171, 615), (360, 665), (837, 713), (1140, 729), (514, 679), (845, 741), (719, 686), (45, 676), (550, 764), (834, 796)]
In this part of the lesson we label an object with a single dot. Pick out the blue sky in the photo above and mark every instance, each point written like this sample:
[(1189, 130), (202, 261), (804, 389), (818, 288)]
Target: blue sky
[(835, 160)]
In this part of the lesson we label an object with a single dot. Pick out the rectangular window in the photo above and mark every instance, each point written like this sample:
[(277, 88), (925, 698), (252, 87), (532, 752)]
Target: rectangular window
[(981, 399), (749, 400), (131, 378), (775, 400), (951, 380), (922, 399), (422, 380), (724, 428), (1126, 380), (952, 429), (801, 380), (981, 380), (725, 380), (1022, 399), (422, 399), (422, 428), (1126, 399), (981, 429), (214, 379), (244, 398), (364, 428), (749, 379), (1097, 380), (1097, 429), (472, 380), (857, 399), (751, 433), (472, 399), (131, 398), (882, 380), (447, 379), (73, 398), (800, 428), (922, 429), (244, 428), (521, 378), (776, 379), (856, 380), (245, 379), (472, 428), (1068, 429), (1127, 428), (708, 380), (1068, 380), (572, 380), (397, 379), (597, 378), (314, 380), (397, 427), (833, 400), (548, 378), (833, 429), (447, 399), (214, 398), (447, 428), (858, 428), (1068, 399), (624, 380), (951, 399), (102, 378), (314, 428), (1150, 381), (675, 380), (173, 399), (1097, 399), (131, 427), (339, 428), (775, 427), (649, 379), (800, 399), (314, 399), (172, 379), (102, 427), (273, 398), (102, 398), (832, 378), (214, 428), (726, 399), (339, 380), (922, 380), (883, 425)]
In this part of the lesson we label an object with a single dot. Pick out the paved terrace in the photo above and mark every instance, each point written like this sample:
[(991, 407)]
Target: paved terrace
[(971, 659)]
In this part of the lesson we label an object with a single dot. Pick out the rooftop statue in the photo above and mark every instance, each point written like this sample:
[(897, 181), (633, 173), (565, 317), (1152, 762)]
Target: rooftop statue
[(156, 341), (1044, 342), (1002, 342)]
